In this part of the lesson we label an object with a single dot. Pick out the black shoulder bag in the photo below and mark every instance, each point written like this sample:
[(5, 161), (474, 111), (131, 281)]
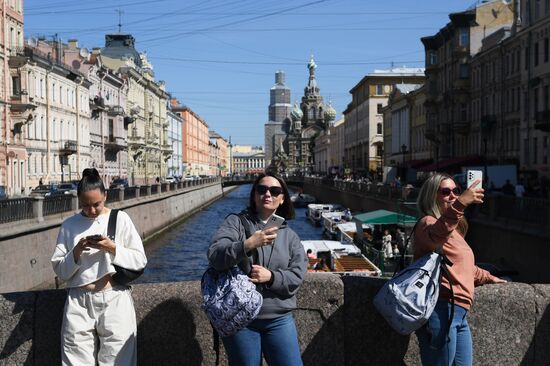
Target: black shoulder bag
[(123, 276)]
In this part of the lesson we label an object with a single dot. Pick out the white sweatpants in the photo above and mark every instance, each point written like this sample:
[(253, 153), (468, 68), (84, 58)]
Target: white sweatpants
[(99, 328)]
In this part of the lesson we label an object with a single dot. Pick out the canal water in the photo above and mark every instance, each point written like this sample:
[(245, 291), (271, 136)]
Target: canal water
[(180, 253)]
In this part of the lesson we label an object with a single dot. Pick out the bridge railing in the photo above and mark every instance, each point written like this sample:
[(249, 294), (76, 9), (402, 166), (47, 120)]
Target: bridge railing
[(24, 208)]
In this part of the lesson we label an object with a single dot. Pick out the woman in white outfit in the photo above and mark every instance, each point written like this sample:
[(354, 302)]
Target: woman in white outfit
[(99, 322)]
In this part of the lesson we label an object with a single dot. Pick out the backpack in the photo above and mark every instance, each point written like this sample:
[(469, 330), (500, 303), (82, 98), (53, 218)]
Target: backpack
[(229, 299), (408, 299)]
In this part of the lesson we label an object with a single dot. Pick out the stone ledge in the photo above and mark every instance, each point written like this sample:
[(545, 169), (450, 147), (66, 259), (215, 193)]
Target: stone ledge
[(336, 321)]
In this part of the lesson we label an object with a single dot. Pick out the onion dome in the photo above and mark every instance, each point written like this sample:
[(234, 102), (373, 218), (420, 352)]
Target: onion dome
[(296, 113), (330, 113)]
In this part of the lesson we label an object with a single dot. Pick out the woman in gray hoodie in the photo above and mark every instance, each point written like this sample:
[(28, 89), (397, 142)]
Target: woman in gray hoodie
[(278, 267)]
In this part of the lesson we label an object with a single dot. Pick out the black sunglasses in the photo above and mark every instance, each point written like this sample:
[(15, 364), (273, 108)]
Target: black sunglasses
[(447, 191), (275, 191)]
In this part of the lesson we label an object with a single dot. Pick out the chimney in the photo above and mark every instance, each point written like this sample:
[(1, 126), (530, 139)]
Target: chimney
[(72, 44)]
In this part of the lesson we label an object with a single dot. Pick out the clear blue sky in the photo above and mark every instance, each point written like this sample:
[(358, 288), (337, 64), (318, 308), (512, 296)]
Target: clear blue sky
[(219, 57)]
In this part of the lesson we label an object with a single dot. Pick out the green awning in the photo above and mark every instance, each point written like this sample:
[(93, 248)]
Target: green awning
[(385, 217)]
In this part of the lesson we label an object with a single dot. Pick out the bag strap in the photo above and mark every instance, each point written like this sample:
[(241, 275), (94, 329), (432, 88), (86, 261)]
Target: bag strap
[(401, 263), (111, 226)]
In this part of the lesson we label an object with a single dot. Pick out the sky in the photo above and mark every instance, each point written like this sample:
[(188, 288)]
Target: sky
[(219, 57)]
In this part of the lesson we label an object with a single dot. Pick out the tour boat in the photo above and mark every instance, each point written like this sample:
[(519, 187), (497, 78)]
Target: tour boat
[(335, 256), (315, 210)]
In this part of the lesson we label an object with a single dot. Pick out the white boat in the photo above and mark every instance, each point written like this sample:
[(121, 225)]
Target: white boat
[(315, 210), (331, 221), (346, 230), (338, 257), (302, 199)]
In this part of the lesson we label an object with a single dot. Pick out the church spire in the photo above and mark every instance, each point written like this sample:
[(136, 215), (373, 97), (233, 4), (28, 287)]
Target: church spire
[(311, 89)]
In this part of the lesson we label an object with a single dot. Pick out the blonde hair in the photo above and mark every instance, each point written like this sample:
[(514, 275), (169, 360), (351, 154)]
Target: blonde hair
[(427, 200)]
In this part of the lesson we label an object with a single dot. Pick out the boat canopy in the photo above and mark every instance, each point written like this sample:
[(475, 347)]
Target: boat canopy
[(385, 217)]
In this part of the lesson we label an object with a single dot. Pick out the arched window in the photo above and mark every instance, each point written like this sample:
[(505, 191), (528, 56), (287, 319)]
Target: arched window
[(379, 128)]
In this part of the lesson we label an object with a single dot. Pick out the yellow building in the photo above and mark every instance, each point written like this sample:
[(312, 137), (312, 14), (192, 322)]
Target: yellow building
[(148, 148)]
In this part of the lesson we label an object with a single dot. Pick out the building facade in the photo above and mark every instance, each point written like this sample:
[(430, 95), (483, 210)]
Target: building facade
[(460, 120), (148, 147), (195, 147), (15, 109), (58, 139), (218, 155), (363, 128), (175, 139), (248, 160)]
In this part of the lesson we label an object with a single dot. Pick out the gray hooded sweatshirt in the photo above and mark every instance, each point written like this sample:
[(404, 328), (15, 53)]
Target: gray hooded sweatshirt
[(286, 259)]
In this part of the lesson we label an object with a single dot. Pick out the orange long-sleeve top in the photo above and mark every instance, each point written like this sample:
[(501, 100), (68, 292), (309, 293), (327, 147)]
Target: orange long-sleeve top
[(465, 275)]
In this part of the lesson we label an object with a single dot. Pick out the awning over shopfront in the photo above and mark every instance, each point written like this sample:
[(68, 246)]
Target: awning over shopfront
[(385, 217), (453, 164)]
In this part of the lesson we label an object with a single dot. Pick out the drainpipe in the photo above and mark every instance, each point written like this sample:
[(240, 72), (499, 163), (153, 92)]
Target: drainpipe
[(77, 128)]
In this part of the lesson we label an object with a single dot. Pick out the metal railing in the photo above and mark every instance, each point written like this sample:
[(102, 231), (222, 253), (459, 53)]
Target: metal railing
[(23, 208), (16, 209), (56, 204)]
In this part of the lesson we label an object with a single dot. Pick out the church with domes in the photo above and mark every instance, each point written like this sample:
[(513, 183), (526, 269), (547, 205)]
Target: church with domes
[(290, 133)]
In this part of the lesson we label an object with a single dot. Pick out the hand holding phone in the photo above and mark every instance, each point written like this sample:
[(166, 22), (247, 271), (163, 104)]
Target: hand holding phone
[(96, 237), (274, 221), (472, 176)]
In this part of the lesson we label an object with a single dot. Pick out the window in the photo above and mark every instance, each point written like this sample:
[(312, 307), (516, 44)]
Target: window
[(16, 85), (536, 54), (379, 108), (53, 92), (464, 37), (432, 57), (464, 71), (379, 128), (546, 51), (379, 89), (535, 150)]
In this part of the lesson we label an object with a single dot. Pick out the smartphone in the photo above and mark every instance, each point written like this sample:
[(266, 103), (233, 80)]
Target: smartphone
[(472, 176), (274, 221), (96, 237)]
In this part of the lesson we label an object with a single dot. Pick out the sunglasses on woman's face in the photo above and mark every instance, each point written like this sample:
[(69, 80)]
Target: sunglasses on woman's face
[(447, 191), (274, 190)]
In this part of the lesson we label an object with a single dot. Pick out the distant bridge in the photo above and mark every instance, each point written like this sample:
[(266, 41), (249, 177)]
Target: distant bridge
[(295, 181)]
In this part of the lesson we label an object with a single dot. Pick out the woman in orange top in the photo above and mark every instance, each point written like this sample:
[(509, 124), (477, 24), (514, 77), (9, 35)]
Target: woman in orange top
[(442, 205)]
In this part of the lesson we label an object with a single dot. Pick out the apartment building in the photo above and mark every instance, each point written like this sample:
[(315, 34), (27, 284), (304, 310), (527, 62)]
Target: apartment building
[(148, 147), (175, 139), (363, 128), (15, 109), (454, 111)]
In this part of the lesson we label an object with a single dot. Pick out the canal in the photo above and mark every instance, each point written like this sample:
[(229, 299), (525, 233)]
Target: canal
[(179, 254)]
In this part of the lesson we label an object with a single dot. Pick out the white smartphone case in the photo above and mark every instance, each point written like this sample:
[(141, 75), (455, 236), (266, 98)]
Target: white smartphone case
[(472, 176), (274, 221)]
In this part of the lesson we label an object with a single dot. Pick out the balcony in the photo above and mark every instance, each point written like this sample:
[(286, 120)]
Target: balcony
[(21, 108), (68, 147), (97, 103), (461, 51), (542, 120), (115, 110), (114, 143), (135, 142)]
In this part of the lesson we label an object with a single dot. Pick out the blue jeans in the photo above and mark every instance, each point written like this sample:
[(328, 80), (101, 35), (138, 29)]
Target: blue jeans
[(275, 338), (438, 348)]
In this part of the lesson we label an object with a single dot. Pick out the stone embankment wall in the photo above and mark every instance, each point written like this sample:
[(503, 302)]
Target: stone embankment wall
[(26, 247), (507, 244), (337, 325)]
